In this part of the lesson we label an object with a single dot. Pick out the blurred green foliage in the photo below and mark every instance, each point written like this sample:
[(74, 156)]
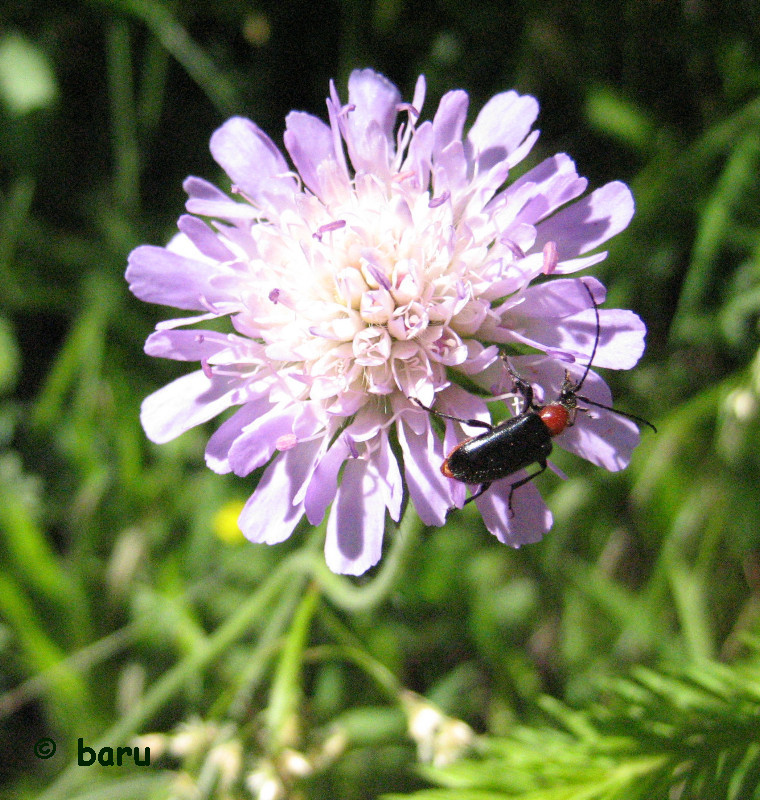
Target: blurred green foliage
[(128, 606)]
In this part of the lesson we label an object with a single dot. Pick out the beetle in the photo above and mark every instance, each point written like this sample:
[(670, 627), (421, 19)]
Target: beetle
[(524, 439)]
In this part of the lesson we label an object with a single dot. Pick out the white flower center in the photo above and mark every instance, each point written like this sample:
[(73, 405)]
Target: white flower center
[(374, 300)]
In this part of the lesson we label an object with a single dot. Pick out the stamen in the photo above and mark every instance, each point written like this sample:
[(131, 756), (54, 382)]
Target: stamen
[(235, 189), (207, 304), (328, 228), (232, 371), (286, 442), (398, 177), (379, 276), (515, 248), (561, 355), (206, 368), (351, 446), (321, 332), (550, 258), (407, 107), (439, 201)]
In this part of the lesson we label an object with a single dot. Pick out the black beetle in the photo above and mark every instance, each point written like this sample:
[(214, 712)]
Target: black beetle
[(524, 439)]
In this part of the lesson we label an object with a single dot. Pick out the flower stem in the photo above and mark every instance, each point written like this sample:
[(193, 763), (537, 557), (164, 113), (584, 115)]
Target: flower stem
[(349, 597)]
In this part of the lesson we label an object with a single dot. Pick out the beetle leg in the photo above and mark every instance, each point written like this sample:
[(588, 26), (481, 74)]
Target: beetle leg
[(475, 423), (522, 482), (573, 413), (483, 488), (521, 386)]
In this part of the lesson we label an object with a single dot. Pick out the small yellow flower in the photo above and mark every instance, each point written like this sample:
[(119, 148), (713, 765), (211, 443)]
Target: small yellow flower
[(225, 522)]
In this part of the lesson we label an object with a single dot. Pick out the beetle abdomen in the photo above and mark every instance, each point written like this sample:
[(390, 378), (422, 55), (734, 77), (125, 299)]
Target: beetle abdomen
[(510, 446)]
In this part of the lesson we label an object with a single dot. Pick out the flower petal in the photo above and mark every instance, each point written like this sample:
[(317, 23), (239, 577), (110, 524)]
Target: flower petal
[(252, 160), (556, 316), (312, 148), (419, 157), (206, 240), (258, 440), (542, 190), (502, 124), (369, 124), (188, 401), (589, 222), (391, 485), (531, 519), (448, 122), (186, 345), (270, 515), (218, 447), (423, 456), (356, 525), (157, 275), (323, 484), (208, 201)]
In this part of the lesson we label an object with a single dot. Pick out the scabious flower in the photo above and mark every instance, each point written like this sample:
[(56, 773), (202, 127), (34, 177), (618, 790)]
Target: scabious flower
[(391, 261)]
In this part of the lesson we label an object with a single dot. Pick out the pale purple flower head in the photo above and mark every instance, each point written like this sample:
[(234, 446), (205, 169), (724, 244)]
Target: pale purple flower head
[(390, 258)]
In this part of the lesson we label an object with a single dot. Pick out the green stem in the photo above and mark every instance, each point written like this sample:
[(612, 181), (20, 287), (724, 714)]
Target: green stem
[(285, 694), (172, 681), (125, 145), (380, 674), (349, 597)]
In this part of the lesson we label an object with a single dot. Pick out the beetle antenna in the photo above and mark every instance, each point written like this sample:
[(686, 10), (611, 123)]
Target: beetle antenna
[(596, 337), (622, 413)]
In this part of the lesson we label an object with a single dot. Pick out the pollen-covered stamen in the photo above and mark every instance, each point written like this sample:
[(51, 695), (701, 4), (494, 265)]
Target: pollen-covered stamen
[(279, 296), (235, 189)]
